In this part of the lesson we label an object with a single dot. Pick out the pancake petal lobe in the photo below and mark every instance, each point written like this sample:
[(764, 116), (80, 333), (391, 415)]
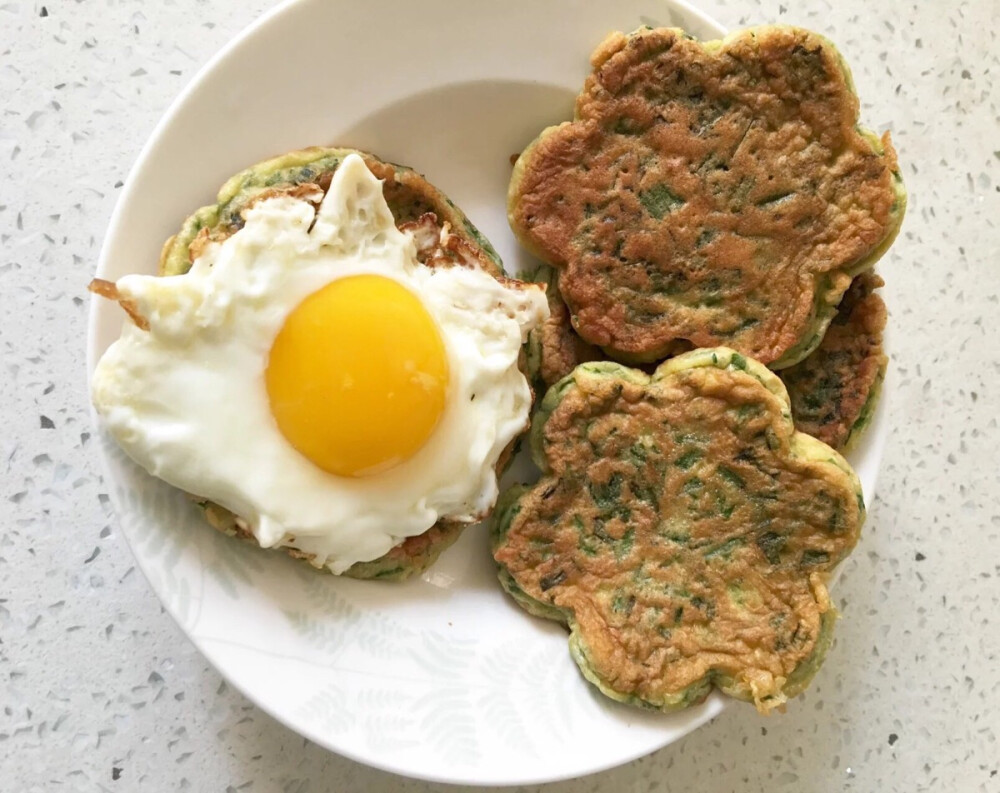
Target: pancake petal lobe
[(443, 234), (682, 529), (554, 348), (707, 194), (835, 390)]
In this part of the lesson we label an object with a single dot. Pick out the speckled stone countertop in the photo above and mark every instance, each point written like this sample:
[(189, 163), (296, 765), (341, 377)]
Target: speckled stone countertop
[(99, 690)]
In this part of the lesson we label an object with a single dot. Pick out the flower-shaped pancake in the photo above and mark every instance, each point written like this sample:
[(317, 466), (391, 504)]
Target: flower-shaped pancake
[(709, 194), (682, 529)]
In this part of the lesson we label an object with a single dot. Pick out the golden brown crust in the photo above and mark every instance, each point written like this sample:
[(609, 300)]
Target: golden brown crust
[(683, 529), (708, 195), (832, 391), (562, 348), (559, 348)]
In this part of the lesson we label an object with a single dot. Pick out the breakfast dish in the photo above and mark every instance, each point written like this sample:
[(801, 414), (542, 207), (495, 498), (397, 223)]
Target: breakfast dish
[(834, 391), (221, 388), (340, 384), (707, 194), (682, 529)]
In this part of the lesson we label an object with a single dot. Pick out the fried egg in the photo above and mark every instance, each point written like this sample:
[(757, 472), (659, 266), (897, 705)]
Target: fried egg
[(314, 378)]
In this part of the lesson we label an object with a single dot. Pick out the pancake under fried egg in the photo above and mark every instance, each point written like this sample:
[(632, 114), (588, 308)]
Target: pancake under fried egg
[(368, 376)]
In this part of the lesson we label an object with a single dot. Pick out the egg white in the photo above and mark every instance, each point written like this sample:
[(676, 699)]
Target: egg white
[(186, 399)]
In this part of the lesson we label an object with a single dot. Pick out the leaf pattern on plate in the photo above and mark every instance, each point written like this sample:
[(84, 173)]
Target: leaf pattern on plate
[(327, 711), (322, 632), (386, 717), (448, 716), (333, 623), (231, 563), (530, 693), (449, 725), (500, 708), (163, 525), (550, 671), (158, 524), (432, 710)]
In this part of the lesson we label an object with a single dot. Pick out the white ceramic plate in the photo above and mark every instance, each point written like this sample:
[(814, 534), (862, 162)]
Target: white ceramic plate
[(442, 677)]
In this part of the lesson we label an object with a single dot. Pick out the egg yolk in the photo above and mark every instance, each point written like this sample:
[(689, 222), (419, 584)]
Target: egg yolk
[(358, 376)]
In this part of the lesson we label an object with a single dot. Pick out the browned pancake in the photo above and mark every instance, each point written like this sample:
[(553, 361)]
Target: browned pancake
[(682, 529), (709, 194), (554, 348), (834, 391)]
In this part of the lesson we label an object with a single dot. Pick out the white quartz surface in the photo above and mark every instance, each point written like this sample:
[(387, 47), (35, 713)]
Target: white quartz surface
[(99, 690)]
